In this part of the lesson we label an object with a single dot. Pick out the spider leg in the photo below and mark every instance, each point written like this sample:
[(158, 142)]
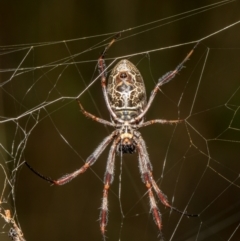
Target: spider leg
[(144, 166), (108, 179), (153, 205), (147, 177), (163, 80), (93, 117), (147, 123), (162, 197), (103, 73), (89, 162), (147, 166)]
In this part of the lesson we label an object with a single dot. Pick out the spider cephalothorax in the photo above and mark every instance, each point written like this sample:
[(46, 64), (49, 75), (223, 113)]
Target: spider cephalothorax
[(127, 136), (125, 98)]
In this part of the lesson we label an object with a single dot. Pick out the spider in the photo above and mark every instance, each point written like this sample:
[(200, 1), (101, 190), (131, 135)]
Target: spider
[(125, 98)]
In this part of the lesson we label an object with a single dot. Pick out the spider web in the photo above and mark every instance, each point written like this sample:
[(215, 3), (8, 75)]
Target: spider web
[(195, 163)]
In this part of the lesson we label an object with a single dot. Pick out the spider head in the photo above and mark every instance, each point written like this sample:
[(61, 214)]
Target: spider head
[(126, 144)]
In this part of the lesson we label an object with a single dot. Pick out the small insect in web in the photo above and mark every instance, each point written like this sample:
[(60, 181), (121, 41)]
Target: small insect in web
[(15, 232), (125, 97)]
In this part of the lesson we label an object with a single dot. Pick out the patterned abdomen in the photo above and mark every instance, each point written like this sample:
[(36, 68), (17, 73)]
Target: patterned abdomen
[(126, 90)]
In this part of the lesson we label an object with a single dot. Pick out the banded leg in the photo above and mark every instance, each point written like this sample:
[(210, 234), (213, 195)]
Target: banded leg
[(147, 123), (163, 198), (144, 166), (163, 80), (108, 179), (149, 177), (102, 72), (153, 205), (93, 117), (89, 162), (146, 172)]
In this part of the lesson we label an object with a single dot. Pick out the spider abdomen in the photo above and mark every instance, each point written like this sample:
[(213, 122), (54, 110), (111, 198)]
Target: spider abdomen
[(126, 90)]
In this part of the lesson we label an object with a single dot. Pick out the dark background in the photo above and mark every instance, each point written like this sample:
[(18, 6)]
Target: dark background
[(203, 177)]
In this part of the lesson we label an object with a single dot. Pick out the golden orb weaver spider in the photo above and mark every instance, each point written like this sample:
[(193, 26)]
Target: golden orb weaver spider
[(126, 100)]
